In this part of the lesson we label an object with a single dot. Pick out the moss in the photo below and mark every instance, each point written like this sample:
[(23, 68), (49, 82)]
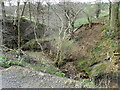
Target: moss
[(105, 28), (88, 82), (98, 70), (103, 69), (84, 65), (60, 74), (105, 15)]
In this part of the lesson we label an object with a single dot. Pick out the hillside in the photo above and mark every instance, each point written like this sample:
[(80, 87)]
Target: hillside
[(64, 45)]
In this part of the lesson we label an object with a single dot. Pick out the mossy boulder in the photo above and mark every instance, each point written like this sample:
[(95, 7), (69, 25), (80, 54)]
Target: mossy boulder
[(102, 73), (105, 73), (99, 69)]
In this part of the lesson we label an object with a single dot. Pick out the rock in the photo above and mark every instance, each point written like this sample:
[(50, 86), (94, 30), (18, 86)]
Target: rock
[(106, 73)]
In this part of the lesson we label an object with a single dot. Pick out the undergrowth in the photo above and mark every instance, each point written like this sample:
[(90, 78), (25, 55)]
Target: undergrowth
[(7, 63)]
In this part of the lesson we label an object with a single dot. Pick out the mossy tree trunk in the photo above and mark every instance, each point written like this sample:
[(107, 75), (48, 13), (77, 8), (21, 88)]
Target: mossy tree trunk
[(114, 25), (18, 23), (2, 26), (110, 4), (114, 22), (29, 10)]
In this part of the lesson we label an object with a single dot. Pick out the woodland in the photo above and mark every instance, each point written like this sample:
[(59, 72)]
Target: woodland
[(63, 44)]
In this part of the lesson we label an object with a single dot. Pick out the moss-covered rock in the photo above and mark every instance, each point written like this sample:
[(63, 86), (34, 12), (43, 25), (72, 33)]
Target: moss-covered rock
[(98, 70)]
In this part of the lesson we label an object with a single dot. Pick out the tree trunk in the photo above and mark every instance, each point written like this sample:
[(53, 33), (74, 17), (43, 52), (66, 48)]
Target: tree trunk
[(18, 23), (2, 25), (114, 25), (114, 22), (3, 10), (110, 4), (23, 9), (98, 10), (29, 10)]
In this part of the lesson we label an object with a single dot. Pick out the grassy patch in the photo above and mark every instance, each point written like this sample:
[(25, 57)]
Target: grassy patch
[(88, 82), (60, 74), (104, 15), (84, 65), (80, 21), (9, 63)]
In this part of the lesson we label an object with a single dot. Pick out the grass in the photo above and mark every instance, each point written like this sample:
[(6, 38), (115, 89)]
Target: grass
[(88, 82), (80, 21), (84, 20), (104, 15), (23, 17), (60, 74), (7, 63), (46, 69)]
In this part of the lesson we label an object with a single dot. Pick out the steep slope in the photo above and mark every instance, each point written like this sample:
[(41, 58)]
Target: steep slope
[(97, 46)]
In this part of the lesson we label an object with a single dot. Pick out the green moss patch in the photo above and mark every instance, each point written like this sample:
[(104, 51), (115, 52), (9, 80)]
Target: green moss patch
[(99, 70)]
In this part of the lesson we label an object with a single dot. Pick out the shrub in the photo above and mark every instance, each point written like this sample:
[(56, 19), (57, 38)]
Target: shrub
[(7, 63), (63, 49)]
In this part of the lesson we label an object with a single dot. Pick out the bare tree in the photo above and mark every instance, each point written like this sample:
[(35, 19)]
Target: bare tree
[(98, 8), (70, 15), (65, 30), (90, 12), (89, 18), (36, 25)]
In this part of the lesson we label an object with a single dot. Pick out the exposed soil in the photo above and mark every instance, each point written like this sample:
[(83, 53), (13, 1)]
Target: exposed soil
[(86, 38)]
